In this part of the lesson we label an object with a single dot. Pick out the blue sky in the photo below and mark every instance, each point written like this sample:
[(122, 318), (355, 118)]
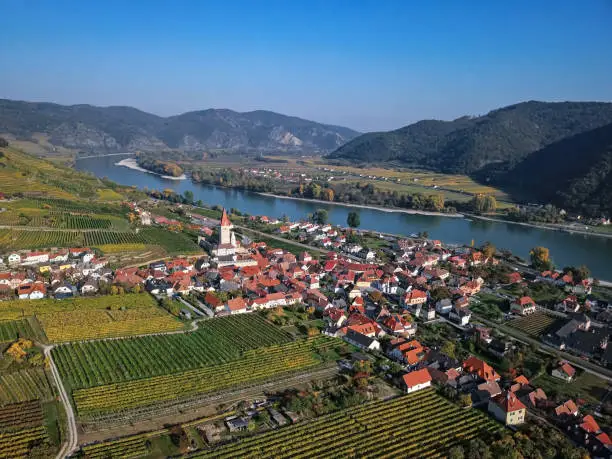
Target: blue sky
[(369, 65)]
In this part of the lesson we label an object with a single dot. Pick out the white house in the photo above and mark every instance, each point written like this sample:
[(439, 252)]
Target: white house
[(14, 258), (417, 380), (444, 306)]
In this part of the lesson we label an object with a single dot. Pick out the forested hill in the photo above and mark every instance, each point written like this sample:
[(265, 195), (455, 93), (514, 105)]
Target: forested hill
[(574, 173), (497, 140), (100, 130)]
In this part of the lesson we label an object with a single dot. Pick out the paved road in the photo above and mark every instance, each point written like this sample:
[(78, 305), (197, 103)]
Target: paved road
[(589, 367), (297, 244), (190, 306), (72, 435)]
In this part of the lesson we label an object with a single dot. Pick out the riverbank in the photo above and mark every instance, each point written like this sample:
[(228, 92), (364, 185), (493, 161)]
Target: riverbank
[(539, 226), (363, 206), (131, 163)]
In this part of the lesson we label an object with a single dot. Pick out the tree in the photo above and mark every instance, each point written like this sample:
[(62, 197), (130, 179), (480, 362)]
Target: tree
[(488, 250), (465, 400), (353, 220), (540, 258), (448, 348), (328, 194), (456, 452), (320, 217), (3, 142), (188, 195)]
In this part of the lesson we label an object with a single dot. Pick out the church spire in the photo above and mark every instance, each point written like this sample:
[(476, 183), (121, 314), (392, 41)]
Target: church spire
[(225, 221)]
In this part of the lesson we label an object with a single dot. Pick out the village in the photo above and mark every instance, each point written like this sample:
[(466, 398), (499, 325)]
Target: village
[(407, 304)]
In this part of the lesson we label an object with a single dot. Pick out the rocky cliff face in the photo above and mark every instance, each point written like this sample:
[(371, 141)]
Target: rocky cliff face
[(100, 130)]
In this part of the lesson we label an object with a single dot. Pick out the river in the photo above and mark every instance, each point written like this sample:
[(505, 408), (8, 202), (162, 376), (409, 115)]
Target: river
[(565, 248)]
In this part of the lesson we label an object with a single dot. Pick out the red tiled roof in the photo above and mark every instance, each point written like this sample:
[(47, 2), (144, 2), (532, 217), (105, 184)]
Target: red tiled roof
[(603, 437), (589, 424), (568, 369), (521, 380), (509, 402), (415, 378), (236, 304), (481, 368)]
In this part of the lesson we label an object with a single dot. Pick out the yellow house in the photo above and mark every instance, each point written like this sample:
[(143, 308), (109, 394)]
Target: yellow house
[(65, 266), (507, 408), (44, 268)]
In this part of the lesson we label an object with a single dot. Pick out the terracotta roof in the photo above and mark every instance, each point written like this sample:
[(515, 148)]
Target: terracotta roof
[(481, 368), (415, 378), (603, 437), (589, 424), (567, 369), (568, 408), (521, 380), (236, 304), (509, 402), (525, 300)]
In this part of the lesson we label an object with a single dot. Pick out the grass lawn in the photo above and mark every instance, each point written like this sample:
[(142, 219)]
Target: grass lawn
[(491, 307), (586, 386)]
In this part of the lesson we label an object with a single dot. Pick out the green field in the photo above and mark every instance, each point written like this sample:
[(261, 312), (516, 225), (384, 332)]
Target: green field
[(215, 342), (421, 425), (18, 239), (24, 385), (14, 329), (253, 367)]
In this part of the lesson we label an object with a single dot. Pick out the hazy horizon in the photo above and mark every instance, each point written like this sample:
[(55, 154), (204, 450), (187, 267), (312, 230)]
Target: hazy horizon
[(364, 65)]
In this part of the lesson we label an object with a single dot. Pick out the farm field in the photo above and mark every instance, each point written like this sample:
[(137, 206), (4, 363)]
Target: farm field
[(18, 239), (22, 428), (14, 329), (25, 385), (254, 367), (126, 448), (84, 318), (422, 424), (535, 324), (216, 341)]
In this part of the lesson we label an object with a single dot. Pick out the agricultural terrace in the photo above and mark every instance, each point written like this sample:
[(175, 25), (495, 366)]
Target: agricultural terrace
[(126, 448), (83, 318), (25, 385), (254, 367), (21, 428), (421, 424), (536, 324), (15, 329), (21, 239), (216, 341)]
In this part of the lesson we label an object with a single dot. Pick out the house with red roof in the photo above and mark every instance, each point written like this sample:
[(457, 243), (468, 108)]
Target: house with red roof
[(568, 408), (414, 297), (523, 306), (507, 408), (417, 380), (399, 325), (564, 371), (236, 306), (514, 277), (480, 369)]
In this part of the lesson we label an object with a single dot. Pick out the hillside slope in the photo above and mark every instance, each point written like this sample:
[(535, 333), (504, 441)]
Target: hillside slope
[(575, 173), (497, 140), (100, 130)]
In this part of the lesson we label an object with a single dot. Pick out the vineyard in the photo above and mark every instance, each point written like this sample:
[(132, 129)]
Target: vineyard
[(83, 318), (254, 367), (18, 239), (12, 330), (25, 385), (421, 425), (21, 429), (535, 324), (127, 448), (61, 220), (216, 341)]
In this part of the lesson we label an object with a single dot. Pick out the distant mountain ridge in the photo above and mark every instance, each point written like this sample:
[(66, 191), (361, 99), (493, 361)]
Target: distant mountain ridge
[(469, 145), (100, 130)]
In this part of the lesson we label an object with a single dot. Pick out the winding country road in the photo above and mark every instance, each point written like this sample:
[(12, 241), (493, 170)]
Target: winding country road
[(72, 435)]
